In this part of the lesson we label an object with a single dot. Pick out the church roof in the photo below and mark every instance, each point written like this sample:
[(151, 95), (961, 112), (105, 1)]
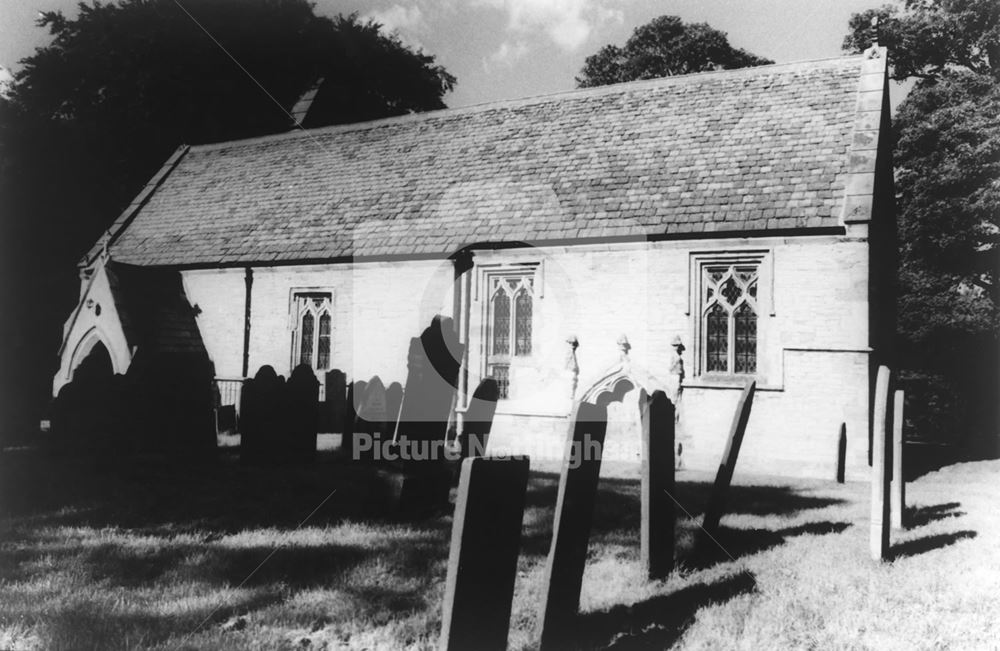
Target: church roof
[(753, 150)]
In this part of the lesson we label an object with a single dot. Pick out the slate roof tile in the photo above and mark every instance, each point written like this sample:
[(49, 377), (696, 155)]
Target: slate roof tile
[(753, 149)]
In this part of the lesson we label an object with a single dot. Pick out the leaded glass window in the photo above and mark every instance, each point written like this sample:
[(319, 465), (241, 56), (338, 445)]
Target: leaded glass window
[(510, 322), (313, 333), (729, 318)]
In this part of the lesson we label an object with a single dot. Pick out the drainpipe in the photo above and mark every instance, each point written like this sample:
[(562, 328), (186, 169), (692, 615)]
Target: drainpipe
[(248, 280)]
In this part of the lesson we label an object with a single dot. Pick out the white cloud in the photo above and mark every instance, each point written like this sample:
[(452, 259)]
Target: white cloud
[(507, 54), (407, 22), (568, 23)]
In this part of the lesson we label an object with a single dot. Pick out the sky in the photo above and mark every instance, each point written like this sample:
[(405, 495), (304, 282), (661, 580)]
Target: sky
[(506, 49)]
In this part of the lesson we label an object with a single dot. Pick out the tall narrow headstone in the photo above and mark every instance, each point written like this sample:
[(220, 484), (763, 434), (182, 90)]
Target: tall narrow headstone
[(302, 415), (571, 528), (482, 563), (898, 488), (656, 533), (879, 534), (717, 501), (842, 453), (479, 418), (336, 399), (371, 419)]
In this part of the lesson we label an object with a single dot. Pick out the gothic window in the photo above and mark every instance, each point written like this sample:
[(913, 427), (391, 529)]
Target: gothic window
[(511, 309), (729, 318), (311, 340)]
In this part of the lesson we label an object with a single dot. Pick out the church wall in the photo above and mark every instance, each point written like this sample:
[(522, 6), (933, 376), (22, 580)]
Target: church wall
[(812, 350)]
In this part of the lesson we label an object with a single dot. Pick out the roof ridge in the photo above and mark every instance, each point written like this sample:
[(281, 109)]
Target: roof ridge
[(517, 102)]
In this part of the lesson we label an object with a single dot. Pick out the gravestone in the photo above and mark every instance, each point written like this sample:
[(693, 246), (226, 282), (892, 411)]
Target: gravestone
[(479, 418), (336, 400), (482, 562), (354, 393), (302, 413), (717, 501), (433, 363), (571, 528), (842, 453), (881, 449), (898, 486), (263, 414), (657, 489), (393, 402), (372, 414)]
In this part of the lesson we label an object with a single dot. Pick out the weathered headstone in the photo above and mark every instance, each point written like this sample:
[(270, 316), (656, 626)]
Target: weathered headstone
[(898, 487), (336, 400), (354, 393), (371, 419), (263, 414), (433, 363), (571, 528), (482, 563), (842, 453), (657, 528), (302, 413), (479, 418), (717, 501), (879, 534)]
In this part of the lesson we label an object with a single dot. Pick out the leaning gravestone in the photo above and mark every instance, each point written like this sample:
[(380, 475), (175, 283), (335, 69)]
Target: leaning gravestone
[(479, 419), (482, 563), (717, 501), (393, 403), (371, 420), (571, 528), (302, 413), (898, 500), (657, 489), (881, 448)]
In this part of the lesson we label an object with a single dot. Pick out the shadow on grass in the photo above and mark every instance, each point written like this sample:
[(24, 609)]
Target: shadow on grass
[(727, 544), (656, 622), (929, 543), (923, 515)]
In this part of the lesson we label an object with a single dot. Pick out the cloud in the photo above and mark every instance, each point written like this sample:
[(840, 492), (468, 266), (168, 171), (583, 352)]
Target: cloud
[(568, 23), (406, 22), (507, 54)]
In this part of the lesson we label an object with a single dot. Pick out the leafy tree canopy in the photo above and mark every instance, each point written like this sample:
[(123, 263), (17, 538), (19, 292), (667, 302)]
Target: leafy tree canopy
[(94, 113), (947, 162), (665, 46), (926, 38)]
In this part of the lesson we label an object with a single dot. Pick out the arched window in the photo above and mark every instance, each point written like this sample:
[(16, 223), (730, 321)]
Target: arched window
[(511, 312), (313, 336), (729, 319)]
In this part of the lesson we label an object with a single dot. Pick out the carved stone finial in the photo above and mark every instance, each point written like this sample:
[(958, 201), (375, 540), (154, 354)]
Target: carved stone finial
[(624, 346), (573, 342), (875, 31)]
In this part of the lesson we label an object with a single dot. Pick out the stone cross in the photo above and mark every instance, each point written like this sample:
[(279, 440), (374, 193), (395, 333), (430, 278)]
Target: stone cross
[(717, 501), (571, 528), (881, 448), (657, 490), (898, 487), (482, 562)]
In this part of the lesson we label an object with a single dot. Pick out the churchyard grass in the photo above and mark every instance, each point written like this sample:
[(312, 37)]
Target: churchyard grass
[(99, 556)]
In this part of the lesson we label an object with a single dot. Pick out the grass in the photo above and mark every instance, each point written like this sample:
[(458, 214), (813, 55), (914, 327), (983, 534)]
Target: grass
[(147, 555)]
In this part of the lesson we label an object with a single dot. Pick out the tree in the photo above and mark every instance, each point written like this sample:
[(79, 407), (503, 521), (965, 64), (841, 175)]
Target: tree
[(93, 114), (665, 46), (947, 160)]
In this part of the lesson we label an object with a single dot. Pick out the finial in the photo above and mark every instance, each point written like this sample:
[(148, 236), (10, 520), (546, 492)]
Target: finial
[(573, 342), (624, 345), (874, 30)]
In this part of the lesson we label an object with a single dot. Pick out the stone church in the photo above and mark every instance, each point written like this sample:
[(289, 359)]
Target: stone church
[(746, 215)]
